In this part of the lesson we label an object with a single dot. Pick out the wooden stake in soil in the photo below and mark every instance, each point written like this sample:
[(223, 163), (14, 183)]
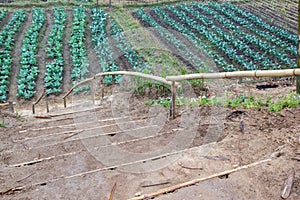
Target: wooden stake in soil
[(65, 102), (102, 87), (172, 105), (112, 192), (195, 181)]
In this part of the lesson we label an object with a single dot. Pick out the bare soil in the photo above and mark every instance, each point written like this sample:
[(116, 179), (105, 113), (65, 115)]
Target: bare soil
[(93, 59), (15, 70), (42, 56), (66, 85), (64, 157)]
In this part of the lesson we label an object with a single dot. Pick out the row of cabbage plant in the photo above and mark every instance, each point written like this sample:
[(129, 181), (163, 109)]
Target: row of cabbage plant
[(135, 60), (280, 45), (284, 34), (102, 47), (6, 46), (54, 70), (77, 47), (172, 39), (29, 70), (3, 14), (240, 46)]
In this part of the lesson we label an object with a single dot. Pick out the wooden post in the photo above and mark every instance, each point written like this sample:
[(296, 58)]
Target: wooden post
[(109, 3), (173, 101), (298, 60), (93, 88), (102, 87), (65, 102), (33, 109)]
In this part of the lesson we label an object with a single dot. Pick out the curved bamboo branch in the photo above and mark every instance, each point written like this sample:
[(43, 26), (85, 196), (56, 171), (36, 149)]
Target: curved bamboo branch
[(136, 74), (40, 98)]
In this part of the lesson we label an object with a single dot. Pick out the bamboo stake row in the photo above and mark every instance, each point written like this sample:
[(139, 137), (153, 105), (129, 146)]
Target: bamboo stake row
[(173, 80)]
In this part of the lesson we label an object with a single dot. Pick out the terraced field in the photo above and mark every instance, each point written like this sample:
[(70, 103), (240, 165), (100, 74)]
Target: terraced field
[(227, 140), (56, 44)]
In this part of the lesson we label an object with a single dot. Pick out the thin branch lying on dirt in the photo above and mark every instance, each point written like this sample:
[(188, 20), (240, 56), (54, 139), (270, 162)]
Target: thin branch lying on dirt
[(112, 192), (191, 168), (18, 188), (32, 162), (217, 158), (9, 191), (295, 158), (236, 113), (22, 179), (156, 184), (195, 181), (42, 117), (69, 136), (287, 185)]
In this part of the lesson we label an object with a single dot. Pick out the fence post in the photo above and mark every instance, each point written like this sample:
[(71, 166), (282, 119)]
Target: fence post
[(173, 100), (65, 102), (93, 88), (102, 87), (33, 109)]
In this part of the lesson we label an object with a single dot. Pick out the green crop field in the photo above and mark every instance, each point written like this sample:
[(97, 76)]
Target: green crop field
[(57, 47)]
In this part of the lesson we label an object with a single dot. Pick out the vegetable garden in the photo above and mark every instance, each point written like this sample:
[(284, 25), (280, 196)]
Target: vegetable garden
[(178, 129), (232, 36)]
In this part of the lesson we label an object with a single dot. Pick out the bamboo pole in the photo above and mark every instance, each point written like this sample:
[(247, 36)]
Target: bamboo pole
[(237, 74), (198, 180), (3, 104), (38, 100), (137, 74)]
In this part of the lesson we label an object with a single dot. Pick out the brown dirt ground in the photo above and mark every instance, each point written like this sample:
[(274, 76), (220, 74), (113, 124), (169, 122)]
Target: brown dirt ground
[(15, 70), (69, 153)]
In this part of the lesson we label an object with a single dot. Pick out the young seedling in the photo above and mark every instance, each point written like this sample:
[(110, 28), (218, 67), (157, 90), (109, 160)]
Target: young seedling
[(2, 124)]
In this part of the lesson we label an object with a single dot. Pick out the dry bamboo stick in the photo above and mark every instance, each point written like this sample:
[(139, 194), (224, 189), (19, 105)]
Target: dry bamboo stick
[(195, 181), (137, 74), (112, 192), (45, 159), (92, 136), (287, 186), (237, 74), (19, 188), (71, 125), (96, 148), (79, 130)]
